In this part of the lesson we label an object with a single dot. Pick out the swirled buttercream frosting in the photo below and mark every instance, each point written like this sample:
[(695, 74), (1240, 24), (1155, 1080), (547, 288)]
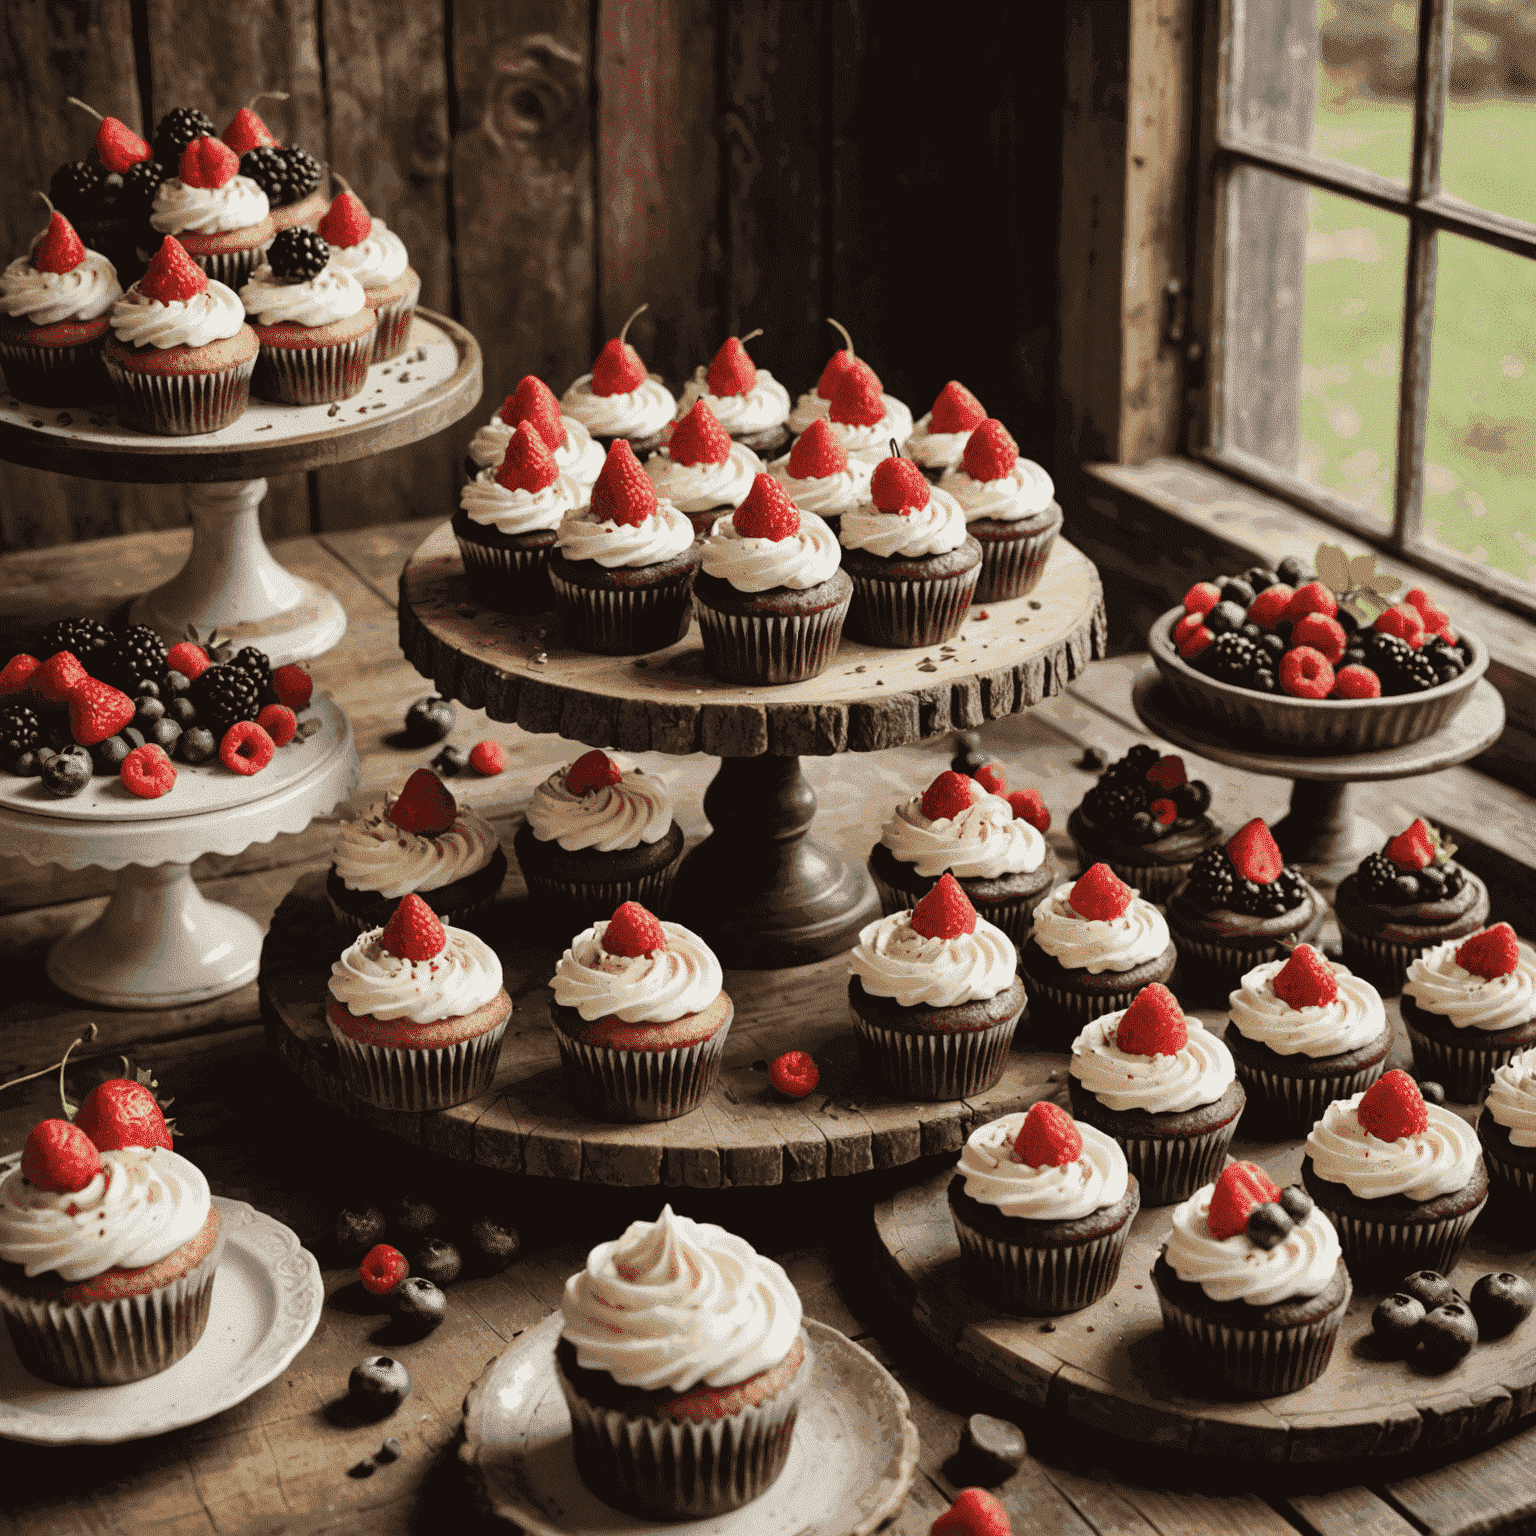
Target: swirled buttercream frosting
[(681, 979), (330, 295), (658, 536), (215, 314), (238, 204), (985, 841), (698, 487), (373, 854), (892, 959), (763, 406), (1468, 1001), (934, 529), (370, 982), (804, 559), (1097, 1177), (1096, 945), (607, 819), (1354, 1018), (826, 495), (1439, 1160), (936, 450), (90, 288), (1512, 1098), (874, 443), (376, 260), (811, 406), (490, 505), (643, 410), (577, 456), (1024, 491), (1198, 1073)]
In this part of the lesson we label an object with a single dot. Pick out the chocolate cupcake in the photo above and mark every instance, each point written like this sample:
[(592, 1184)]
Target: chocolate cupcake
[(939, 437), (620, 399), (221, 218), (746, 400), (1506, 1130), (818, 475), (701, 471), (577, 457), (883, 416)]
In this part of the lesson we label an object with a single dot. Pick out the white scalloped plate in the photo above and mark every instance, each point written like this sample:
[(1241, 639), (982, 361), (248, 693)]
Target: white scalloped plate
[(267, 1298)]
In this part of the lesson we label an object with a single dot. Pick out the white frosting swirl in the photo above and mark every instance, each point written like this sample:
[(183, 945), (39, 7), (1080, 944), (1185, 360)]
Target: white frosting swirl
[(140, 1208), (659, 536), (375, 261), (813, 407), (874, 443), (577, 456), (892, 959), (512, 512), (636, 810), (373, 854), (1438, 1161), (698, 487), (765, 405), (985, 841), (1237, 1269), (215, 314), (936, 450), (368, 980), (1354, 1018), (330, 295), (1512, 1098), (1024, 491), (645, 409), (674, 1303), (826, 495), (87, 290), (934, 529), (1096, 1178), (683, 978), (805, 559), (1439, 985), (1197, 1074), (1095, 945), (238, 204)]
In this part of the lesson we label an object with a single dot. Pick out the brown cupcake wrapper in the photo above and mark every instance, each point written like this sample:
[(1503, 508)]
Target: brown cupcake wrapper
[(457, 916), (1509, 1184), (1015, 918), (55, 376), (1382, 962), (1464, 1071), (771, 648), (313, 375), (1172, 1168), (1212, 970), (510, 580), (904, 615), (1056, 1018), (232, 268), (1012, 567), (419, 1080), (107, 1343), (1041, 1282), (1380, 1253), (927, 1064), (1295, 1104), (180, 404), (1156, 882), (641, 1085), (624, 621), (572, 905), (394, 328)]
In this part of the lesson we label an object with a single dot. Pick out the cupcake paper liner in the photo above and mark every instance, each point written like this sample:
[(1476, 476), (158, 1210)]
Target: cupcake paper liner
[(1464, 1071), (180, 404), (624, 621), (1212, 969), (394, 327), (573, 904), (1041, 1282), (1295, 1104), (1512, 1184), (511, 580), (419, 1080), (1015, 918), (1380, 1253), (771, 648), (67, 376), (1056, 1018), (313, 375), (232, 268), (1381, 962), (908, 614), (927, 1064), (1172, 1168), (1012, 567), (641, 1085), (358, 926), (1156, 882)]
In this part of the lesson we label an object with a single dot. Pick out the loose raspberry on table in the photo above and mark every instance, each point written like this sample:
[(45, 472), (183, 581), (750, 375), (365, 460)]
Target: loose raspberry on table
[(1305, 673), (794, 1074), (488, 758), (382, 1269), (246, 748), (975, 1512)]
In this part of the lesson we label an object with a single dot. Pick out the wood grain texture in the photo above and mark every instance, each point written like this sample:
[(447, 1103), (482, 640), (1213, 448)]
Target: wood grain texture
[(1493, 1491)]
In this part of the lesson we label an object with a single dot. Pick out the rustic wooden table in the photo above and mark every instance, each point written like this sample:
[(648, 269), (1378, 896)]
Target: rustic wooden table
[(280, 1461)]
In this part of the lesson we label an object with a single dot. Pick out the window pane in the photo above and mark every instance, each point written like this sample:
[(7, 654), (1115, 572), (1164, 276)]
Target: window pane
[(1490, 120), (1480, 442)]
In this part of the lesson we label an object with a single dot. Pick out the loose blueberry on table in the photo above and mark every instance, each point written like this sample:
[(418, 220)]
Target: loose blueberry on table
[(417, 1303), (380, 1384), (438, 1261)]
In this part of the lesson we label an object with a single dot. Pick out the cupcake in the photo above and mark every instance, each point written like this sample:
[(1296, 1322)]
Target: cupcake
[(315, 327), (576, 455), (221, 218), (623, 566), (1164, 1087), (180, 355), (818, 476), (55, 306), (1010, 509), (1095, 945), (507, 523), (817, 404), (746, 400), (109, 1242), (771, 598), (999, 858), (421, 840), (290, 176), (683, 1360), (938, 439), (1469, 1008), (619, 399), (935, 998), (1042, 1207), (1506, 1129), (1251, 1286), (367, 249), (1242, 906), (417, 1012), (701, 471), (1402, 1181), (866, 422), (1402, 902), (1147, 820), (912, 564), (599, 832), (640, 1017), (1303, 1033), (106, 196)]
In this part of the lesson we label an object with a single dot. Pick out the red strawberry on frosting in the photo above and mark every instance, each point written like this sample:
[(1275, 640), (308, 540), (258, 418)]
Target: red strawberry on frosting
[(528, 465), (1306, 980), (413, 931), (618, 369), (945, 912), (207, 162), (425, 805), (60, 249), (1493, 952), (1028, 806), (633, 932), (857, 401), (1392, 1107), (246, 132), (59, 1157), (1049, 1138), (698, 437), (841, 364), (623, 493), (592, 770), (346, 222), (97, 710), (172, 275), (1255, 854), (767, 512), (1100, 894), (534, 401), (956, 410), (1413, 849), (947, 797), (990, 453), (817, 453), (992, 778), (1240, 1187), (119, 1113), (898, 488), (1153, 1025), (732, 372)]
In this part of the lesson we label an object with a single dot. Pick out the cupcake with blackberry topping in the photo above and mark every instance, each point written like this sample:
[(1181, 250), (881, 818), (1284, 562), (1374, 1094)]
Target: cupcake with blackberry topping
[(290, 177), (620, 399), (1403, 901), (1506, 1130), (746, 400), (106, 196), (701, 469), (939, 436), (1242, 906), (221, 218), (818, 476), (816, 404), (533, 401), (1147, 820), (376, 256)]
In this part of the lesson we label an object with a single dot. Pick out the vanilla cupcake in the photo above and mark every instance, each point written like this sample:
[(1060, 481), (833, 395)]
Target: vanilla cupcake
[(1507, 1131), (816, 404), (222, 219), (818, 476), (746, 400), (701, 470), (939, 437), (577, 457), (620, 399), (367, 249)]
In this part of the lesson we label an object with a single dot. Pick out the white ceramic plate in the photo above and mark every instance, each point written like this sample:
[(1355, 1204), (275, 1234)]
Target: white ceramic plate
[(267, 1298)]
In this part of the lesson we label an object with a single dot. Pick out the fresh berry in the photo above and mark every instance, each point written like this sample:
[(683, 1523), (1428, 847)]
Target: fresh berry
[(1296, 1203), (1500, 1303), (361, 1229), (1413, 849), (1197, 643), (947, 797), (1190, 624), (208, 163), (269, 167), (528, 465), (945, 912), (841, 365), (140, 183), (1167, 773), (990, 453), (975, 1512), (992, 779), (817, 452), (534, 401), (19, 675), (419, 1304), (1240, 1187), (98, 710), (20, 731), (857, 401), (1405, 622), (1306, 673), (450, 762), (488, 758), (633, 931), (496, 1242), (1311, 597), (698, 438), (196, 746), (297, 255), (59, 1157), (424, 806), (66, 773), (898, 488), (416, 1216), (246, 132), (117, 146), (1436, 620), (1306, 980), (1048, 1138), (1164, 812), (623, 492), (1028, 806), (1428, 1287), (1356, 682), (383, 1268), (1153, 1025), (60, 249), (1493, 952), (301, 174), (1395, 1324), (413, 931), (956, 410), (177, 129), (58, 677), (618, 368), (592, 770), (1446, 1335), (189, 659), (172, 276), (1202, 597), (1100, 894), (794, 1074), (279, 722), (223, 696), (438, 1261), (295, 687), (767, 512), (1392, 1107), (731, 372), (1254, 853), (147, 772), (1322, 634), (245, 748), (379, 1385), (1269, 1225), (346, 222), (121, 1113), (1269, 606), (79, 189)]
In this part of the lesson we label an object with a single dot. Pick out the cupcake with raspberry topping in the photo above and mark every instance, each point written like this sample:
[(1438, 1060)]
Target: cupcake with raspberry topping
[(935, 998), (818, 476), (1506, 1130), (620, 399), (746, 400), (576, 456), (1000, 859), (417, 1011), (1470, 1006), (1010, 508), (1164, 1087), (640, 1017), (816, 405), (1403, 901), (599, 832), (701, 470), (1042, 1207), (683, 1360), (366, 248), (939, 437), (221, 218), (1304, 1032)]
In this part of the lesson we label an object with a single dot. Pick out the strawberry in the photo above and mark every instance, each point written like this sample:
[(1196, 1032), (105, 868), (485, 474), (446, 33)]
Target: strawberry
[(346, 221), (857, 401), (1413, 849), (1314, 597), (623, 493), (1164, 811), (413, 931), (1183, 629), (1028, 806), (1048, 1138), (898, 488), (19, 675), (1167, 772), (956, 410), (119, 1113), (488, 758), (1199, 640), (1202, 597), (1322, 634), (245, 748), (991, 778), (947, 796), (732, 371), (382, 1269), (1493, 952), (293, 687), (279, 722), (207, 162), (424, 805), (1392, 1107), (1268, 608), (592, 770), (528, 465), (1306, 980), (534, 401), (1405, 621), (1100, 894), (1153, 1025), (633, 932), (618, 369), (1240, 1187), (147, 772), (945, 912), (60, 249), (975, 1512), (841, 364), (58, 677), (817, 453), (1436, 620), (1306, 673), (1355, 682), (118, 147), (1254, 852), (246, 132), (767, 513), (698, 438), (172, 275), (190, 659), (96, 711), (59, 1157), (990, 453), (794, 1074)]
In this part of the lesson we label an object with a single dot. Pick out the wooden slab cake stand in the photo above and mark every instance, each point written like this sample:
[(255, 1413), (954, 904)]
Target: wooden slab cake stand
[(230, 579), (759, 889)]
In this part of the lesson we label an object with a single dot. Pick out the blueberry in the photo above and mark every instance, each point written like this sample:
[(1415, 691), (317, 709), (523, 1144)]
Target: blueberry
[(1405, 888), (1395, 1323), (1259, 577), (419, 1303), (437, 1261), (450, 761), (1225, 616), (108, 755), (1428, 1287), (993, 1449), (415, 1218), (1251, 631), (146, 688), (361, 1230), (1294, 572), (149, 710), (428, 720), (1500, 1303), (182, 711), (177, 683), (1447, 1335), (496, 1242), (1235, 590), (380, 1384), (1273, 644), (28, 764), (1431, 1091), (66, 774), (1296, 1203), (134, 736), (164, 734), (1269, 1224), (197, 746)]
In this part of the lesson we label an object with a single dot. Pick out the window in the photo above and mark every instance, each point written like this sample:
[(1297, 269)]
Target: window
[(1367, 272)]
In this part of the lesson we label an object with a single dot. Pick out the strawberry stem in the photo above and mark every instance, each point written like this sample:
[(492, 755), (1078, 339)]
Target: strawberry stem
[(340, 180), (75, 101), (250, 106), (90, 1034), (839, 326), (624, 329), (51, 209), (751, 335)]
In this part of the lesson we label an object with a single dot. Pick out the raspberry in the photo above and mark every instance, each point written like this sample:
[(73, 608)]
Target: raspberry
[(975, 1512), (632, 931), (147, 772), (1405, 622), (1167, 772), (1240, 1188), (1153, 1025), (731, 371), (120, 1113), (413, 931), (1436, 620), (294, 687), (991, 778), (1306, 980), (58, 677), (990, 452), (528, 465), (59, 1157), (794, 1074), (383, 1268), (424, 805), (1195, 644), (1305, 673), (1164, 811), (592, 770), (767, 512), (817, 454), (1048, 1138), (1028, 806), (945, 912), (898, 488), (623, 492), (1322, 634), (947, 796), (1313, 597), (19, 675), (279, 722), (488, 758), (1202, 597), (1356, 682), (188, 659), (246, 748), (698, 438), (1254, 853), (1392, 1107), (1100, 894), (1268, 608), (1493, 952), (1189, 625)]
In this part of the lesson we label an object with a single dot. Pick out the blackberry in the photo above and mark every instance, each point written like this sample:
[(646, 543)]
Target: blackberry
[(1212, 880), (1291, 886), (1109, 803), (1387, 657), (140, 183), (225, 695), (256, 665), (304, 171), (1257, 900), (266, 167), (79, 190), (20, 731), (1233, 658), (80, 636), (1376, 879), (138, 653), (1416, 673), (296, 255), (176, 130)]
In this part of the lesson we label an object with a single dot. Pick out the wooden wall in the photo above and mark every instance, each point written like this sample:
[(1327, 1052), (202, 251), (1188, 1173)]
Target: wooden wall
[(553, 163)]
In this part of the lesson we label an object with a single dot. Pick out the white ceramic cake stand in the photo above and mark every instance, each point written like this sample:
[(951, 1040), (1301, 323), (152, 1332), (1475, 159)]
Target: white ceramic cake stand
[(160, 942), (230, 580)]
